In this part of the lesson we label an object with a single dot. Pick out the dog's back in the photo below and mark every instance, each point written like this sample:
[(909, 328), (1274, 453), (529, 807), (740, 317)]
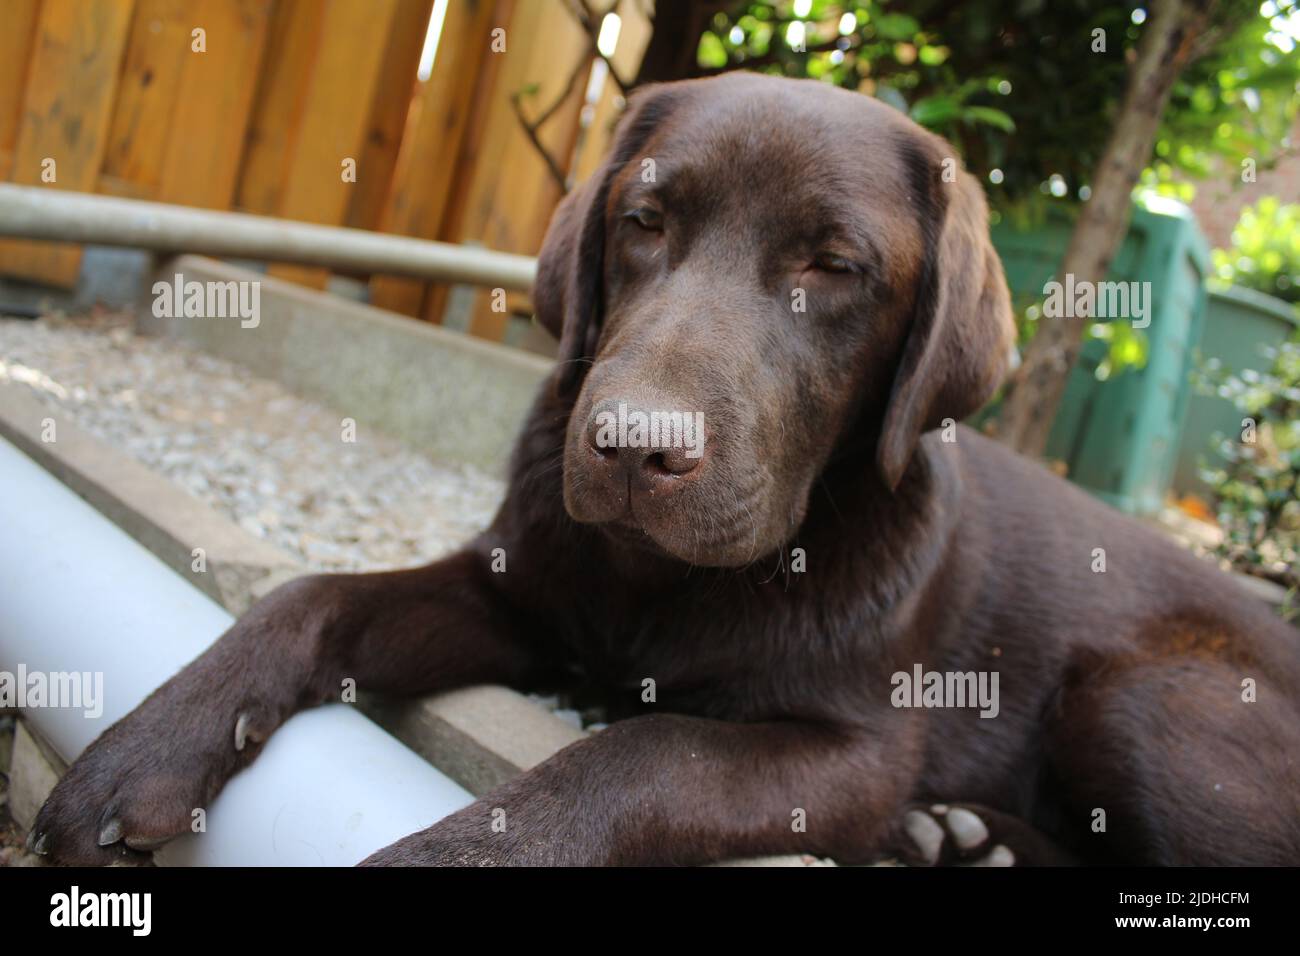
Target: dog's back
[(1139, 684)]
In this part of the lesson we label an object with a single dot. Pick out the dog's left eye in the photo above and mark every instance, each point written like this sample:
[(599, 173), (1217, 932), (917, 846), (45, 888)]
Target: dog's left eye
[(829, 262), (649, 219)]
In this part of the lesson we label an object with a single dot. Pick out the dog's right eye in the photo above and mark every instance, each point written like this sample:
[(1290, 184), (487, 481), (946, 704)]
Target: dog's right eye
[(648, 219), (829, 262)]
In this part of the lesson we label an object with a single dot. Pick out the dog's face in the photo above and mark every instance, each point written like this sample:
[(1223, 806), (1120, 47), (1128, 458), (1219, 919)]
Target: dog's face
[(765, 272)]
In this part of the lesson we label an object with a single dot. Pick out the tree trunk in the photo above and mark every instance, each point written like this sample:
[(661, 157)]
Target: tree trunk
[(1165, 48), (678, 26)]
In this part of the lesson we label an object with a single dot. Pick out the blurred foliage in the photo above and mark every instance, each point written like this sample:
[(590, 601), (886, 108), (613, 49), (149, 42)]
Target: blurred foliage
[(1257, 482), (1027, 95), (1126, 347), (1265, 251), (1236, 104), (1018, 88)]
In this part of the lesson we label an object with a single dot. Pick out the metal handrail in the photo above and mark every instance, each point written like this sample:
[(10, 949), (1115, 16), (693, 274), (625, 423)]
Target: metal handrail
[(36, 212)]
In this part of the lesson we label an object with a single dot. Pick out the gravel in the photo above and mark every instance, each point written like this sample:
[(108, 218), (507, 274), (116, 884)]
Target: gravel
[(272, 462), (12, 840)]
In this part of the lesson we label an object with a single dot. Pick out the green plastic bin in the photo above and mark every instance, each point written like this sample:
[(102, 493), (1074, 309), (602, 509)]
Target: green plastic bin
[(1119, 438), (1239, 325)]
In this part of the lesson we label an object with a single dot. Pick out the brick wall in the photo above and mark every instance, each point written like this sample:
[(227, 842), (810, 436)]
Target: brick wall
[(1219, 201)]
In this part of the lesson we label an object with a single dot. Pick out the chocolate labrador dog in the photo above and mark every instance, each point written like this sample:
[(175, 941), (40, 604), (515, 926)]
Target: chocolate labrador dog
[(789, 618)]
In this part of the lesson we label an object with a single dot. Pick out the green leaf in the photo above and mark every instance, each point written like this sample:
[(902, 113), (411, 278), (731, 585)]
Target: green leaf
[(990, 117), (897, 26), (935, 111), (933, 55), (711, 54)]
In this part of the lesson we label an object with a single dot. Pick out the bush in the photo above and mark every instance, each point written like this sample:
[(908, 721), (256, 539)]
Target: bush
[(1257, 486), (1265, 253)]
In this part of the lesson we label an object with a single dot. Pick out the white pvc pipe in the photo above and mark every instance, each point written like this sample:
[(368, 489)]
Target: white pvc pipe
[(77, 594)]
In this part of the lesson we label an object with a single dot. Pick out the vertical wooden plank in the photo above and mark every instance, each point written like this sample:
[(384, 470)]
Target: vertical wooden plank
[(353, 39), (428, 158), (17, 39), (633, 38), (68, 107), (389, 112), (146, 96), (511, 193), (206, 134), (278, 106), (454, 217)]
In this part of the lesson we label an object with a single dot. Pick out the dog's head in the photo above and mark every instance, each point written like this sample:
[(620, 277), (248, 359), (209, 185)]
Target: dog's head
[(790, 267)]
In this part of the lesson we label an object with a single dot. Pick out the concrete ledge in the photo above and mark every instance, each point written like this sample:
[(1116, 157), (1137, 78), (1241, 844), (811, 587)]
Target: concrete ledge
[(163, 517), (33, 771), (479, 736), (455, 397), (1269, 591)]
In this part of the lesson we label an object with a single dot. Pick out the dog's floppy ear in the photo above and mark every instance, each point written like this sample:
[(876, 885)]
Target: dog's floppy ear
[(567, 294), (962, 329)]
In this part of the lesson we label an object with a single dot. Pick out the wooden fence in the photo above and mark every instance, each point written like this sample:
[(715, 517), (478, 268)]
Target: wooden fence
[(267, 106)]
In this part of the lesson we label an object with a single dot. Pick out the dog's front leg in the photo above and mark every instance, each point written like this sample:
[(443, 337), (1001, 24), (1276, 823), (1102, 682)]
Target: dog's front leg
[(402, 632), (667, 789)]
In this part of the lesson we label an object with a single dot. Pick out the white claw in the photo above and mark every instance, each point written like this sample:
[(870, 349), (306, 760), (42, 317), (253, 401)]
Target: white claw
[(925, 833), (38, 845), (966, 828), (111, 833), (998, 856), (241, 731)]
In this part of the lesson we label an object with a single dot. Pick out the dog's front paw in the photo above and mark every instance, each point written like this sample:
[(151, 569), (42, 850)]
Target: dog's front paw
[(142, 781), (943, 835)]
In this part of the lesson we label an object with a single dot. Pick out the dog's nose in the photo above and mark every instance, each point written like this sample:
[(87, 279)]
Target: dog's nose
[(651, 445)]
